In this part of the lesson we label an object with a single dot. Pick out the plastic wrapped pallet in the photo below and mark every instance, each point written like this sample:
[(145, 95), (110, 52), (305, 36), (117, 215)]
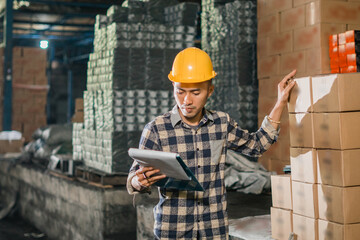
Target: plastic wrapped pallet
[(184, 14), (127, 83), (77, 140), (229, 37)]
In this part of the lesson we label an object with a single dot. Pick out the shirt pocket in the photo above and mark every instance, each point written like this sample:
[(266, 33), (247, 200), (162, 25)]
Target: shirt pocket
[(216, 147)]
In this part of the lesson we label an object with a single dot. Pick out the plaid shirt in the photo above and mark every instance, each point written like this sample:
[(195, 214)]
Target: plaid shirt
[(191, 214)]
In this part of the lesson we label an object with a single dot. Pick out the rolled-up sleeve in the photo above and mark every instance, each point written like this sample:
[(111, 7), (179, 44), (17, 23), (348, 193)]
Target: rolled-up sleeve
[(251, 144)]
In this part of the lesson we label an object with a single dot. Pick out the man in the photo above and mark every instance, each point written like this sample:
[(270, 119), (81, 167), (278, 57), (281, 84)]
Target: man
[(201, 137)]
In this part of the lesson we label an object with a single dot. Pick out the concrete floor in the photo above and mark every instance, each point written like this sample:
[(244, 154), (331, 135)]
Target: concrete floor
[(15, 228), (239, 205)]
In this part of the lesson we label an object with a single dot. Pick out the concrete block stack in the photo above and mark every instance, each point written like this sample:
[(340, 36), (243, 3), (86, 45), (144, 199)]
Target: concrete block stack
[(30, 89), (323, 115), (295, 35), (78, 140), (229, 36), (182, 14), (127, 83)]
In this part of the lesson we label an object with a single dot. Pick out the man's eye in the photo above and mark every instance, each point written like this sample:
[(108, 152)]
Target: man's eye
[(179, 92), (196, 93)]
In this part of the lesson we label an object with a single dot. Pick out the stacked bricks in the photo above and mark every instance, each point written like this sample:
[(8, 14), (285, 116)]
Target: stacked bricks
[(29, 90), (344, 51), (127, 83), (294, 34), (324, 112)]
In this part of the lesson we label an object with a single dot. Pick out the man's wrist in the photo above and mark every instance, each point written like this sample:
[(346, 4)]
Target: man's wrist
[(136, 184)]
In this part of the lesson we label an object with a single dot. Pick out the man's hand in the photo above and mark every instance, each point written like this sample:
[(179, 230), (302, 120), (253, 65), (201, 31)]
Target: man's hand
[(284, 88), (145, 177)]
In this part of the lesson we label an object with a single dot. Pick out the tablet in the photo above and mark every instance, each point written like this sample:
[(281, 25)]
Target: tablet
[(167, 163)]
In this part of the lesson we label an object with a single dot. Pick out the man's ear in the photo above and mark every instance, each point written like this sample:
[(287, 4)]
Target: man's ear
[(211, 89)]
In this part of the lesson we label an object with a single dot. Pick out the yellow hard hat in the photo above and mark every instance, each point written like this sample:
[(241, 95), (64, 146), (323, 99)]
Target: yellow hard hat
[(192, 65)]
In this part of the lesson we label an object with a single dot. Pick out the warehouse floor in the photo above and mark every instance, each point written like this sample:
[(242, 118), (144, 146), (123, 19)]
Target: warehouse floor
[(15, 228), (239, 205)]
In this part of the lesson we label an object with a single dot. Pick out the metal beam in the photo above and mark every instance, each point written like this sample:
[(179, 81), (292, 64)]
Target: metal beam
[(7, 108), (25, 12), (51, 57), (79, 58), (70, 97), (49, 37), (54, 23), (73, 4), (54, 30)]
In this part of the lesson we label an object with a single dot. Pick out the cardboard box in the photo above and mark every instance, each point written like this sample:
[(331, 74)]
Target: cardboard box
[(7, 146), (292, 18), (316, 35), (79, 104), (336, 92), (301, 130), (334, 231), (340, 12), (304, 199), (280, 43), (339, 167), (317, 61), (303, 165), (281, 223), (277, 165), (305, 228), (78, 117), (300, 100), (339, 204), (268, 66), (281, 191), (293, 60), (337, 130)]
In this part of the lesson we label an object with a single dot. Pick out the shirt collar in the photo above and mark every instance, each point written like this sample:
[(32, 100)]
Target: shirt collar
[(175, 117)]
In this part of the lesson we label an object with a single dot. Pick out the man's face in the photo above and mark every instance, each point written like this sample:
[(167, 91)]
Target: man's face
[(191, 98)]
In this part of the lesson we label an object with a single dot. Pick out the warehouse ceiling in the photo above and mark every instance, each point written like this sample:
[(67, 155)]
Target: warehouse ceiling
[(56, 20), (63, 20)]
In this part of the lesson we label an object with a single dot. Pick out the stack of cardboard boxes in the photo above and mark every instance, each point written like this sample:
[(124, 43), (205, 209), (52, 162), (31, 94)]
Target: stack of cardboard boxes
[(78, 116), (294, 34), (30, 88), (324, 112)]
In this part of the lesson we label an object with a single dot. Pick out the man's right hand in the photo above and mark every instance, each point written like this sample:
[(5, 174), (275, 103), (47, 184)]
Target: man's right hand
[(145, 177)]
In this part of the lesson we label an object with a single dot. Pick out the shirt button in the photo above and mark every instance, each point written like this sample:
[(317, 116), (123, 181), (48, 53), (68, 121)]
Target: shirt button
[(198, 220), (197, 149), (199, 203), (198, 166)]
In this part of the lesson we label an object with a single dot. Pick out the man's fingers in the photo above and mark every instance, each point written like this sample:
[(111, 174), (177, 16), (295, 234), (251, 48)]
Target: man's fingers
[(152, 172), (156, 178), (289, 76)]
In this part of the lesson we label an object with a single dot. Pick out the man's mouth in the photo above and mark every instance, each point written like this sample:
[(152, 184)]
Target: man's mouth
[(188, 108)]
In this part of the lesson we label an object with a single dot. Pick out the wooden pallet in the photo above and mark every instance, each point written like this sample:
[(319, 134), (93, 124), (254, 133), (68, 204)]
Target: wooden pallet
[(100, 179)]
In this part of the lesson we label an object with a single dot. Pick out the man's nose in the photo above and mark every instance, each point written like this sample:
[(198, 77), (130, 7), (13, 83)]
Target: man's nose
[(187, 99)]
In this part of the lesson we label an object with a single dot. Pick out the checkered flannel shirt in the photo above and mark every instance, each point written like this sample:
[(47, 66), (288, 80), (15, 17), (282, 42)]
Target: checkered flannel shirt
[(192, 214)]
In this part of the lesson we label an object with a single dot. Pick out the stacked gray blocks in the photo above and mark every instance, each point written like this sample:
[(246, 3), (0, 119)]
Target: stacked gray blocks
[(229, 32), (182, 14), (127, 83), (78, 140)]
